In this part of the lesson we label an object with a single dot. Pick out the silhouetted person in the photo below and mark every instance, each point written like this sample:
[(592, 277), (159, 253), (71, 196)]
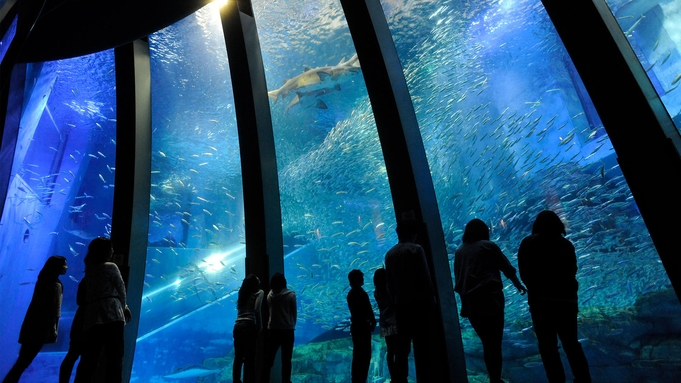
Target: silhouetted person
[(41, 323), (75, 347), (387, 319), (281, 326), (76, 342), (478, 265), (412, 290), (362, 324), (102, 295), (246, 328), (548, 265)]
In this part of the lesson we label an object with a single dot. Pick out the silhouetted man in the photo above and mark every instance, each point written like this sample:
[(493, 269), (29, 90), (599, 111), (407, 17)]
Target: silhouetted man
[(412, 290)]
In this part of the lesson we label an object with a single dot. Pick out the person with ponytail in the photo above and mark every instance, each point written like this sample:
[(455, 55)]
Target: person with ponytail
[(41, 323), (246, 328)]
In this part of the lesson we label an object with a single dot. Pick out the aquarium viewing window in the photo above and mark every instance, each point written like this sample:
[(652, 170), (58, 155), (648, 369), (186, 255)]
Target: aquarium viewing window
[(61, 190), (653, 28), (507, 128)]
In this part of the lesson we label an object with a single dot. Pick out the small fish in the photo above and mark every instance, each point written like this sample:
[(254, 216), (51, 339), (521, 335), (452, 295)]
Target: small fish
[(101, 177), (71, 277)]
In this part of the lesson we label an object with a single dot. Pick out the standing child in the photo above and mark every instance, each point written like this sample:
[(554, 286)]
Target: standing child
[(386, 319), (362, 325)]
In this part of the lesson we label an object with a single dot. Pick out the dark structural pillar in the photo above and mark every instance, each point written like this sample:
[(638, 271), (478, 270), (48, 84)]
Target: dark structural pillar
[(264, 241), (9, 118), (10, 107), (130, 219), (645, 140), (409, 176)]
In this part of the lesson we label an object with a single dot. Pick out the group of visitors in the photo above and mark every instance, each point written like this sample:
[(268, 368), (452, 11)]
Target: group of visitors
[(548, 266), (283, 313), (405, 297), (97, 325), (403, 291)]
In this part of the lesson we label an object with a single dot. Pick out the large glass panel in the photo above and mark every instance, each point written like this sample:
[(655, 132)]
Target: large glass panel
[(60, 193), (653, 28), (335, 199), (195, 255), (509, 131)]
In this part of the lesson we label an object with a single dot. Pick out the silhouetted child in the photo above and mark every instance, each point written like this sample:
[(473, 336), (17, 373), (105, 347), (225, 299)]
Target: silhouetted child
[(387, 317), (362, 325), (41, 323)]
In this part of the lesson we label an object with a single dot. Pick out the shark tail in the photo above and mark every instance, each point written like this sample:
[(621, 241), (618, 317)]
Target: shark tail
[(274, 95)]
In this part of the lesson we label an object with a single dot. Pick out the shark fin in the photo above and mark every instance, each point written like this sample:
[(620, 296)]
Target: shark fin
[(323, 75), (307, 69), (341, 62), (320, 104)]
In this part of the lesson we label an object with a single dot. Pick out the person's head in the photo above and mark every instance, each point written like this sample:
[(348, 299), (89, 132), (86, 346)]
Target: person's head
[(476, 230), (250, 283), (380, 279), (548, 222), (407, 230), (278, 281), (100, 250), (356, 278), (53, 267), (249, 287)]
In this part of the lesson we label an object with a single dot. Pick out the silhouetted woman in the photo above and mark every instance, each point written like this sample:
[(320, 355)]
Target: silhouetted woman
[(281, 327), (101, 296), (387, 319), (41, 323), (477, 266), (548, 266), (246, 328)]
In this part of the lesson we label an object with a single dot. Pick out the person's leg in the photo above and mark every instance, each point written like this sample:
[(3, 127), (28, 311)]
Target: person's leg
[(567, 332), (391, 343), (287, 340), (239, 348), (114, 348), (490, 329), (273, 344), (361, 355), (547, 341), (69, 361), (402, 350), (404, 338), (89, 359), (249, 347), (27, 353)]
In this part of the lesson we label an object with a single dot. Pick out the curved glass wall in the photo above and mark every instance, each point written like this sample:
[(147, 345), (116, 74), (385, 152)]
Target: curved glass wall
[(337, 212), (60, 194), (509, 131), (195, 255), (653, 28)]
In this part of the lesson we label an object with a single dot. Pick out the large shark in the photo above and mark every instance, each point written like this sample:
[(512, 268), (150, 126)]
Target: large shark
[(317, 78), (193, 371)]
